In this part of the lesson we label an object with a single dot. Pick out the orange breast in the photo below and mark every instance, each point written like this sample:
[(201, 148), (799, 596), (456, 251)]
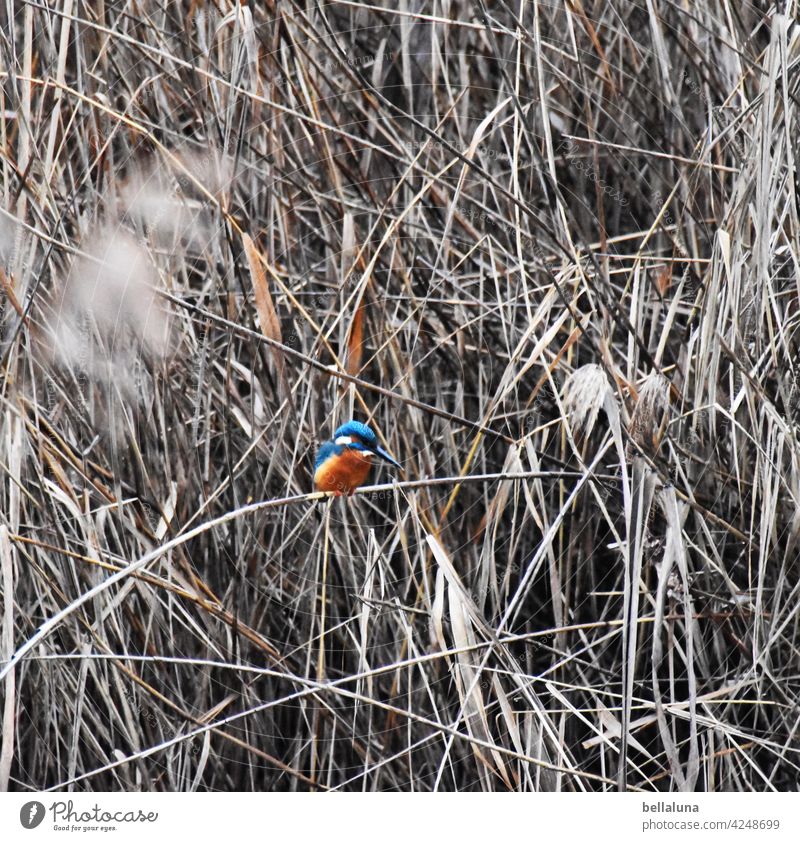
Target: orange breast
[(343, 473)]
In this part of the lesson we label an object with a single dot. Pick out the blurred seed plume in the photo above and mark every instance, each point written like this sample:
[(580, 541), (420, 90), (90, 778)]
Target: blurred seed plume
[(109, 315), (173, 202)]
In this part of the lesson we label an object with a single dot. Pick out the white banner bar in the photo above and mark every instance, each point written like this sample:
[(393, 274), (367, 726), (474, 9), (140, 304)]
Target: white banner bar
[(389, 816)]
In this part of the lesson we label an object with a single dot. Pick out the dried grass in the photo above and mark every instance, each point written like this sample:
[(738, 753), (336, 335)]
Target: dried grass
[(550, 251)]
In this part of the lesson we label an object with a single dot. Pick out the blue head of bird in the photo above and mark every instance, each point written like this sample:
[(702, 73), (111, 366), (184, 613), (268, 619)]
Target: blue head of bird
[(343, 464)]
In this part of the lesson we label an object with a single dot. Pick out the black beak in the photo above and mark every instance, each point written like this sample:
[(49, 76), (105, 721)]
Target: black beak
[(386, 457)]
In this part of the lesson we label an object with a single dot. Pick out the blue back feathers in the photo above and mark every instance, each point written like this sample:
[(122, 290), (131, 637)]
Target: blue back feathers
[(325, 452)]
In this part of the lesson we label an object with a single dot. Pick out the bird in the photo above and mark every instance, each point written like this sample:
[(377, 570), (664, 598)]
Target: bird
[(343, 464)]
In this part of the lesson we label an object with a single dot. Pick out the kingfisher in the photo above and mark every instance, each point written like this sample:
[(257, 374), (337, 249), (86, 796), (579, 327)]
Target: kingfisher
[(343, 464)]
